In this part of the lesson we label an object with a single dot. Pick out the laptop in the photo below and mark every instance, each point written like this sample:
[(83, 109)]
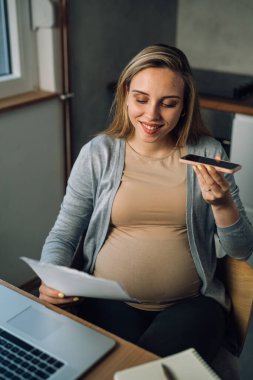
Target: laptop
[(38, 343)]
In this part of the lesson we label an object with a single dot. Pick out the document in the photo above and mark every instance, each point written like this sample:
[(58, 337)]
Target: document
[(72, 282)]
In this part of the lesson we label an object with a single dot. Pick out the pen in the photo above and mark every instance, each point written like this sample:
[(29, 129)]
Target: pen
[(168, 372)]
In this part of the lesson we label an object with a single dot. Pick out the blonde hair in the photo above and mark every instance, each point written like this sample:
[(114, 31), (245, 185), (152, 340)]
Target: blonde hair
[(190, 126)]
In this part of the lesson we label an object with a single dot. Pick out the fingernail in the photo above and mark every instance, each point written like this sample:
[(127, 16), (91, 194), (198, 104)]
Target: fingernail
[(60, 295), (208, 168), (75, 299), (199, 167)]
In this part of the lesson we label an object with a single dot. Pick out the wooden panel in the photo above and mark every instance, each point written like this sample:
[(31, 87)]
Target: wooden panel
[(24, 99), (244, 106), (238, 279)]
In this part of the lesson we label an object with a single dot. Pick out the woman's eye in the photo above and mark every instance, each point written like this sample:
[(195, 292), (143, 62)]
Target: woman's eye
[(142, 101), (169, 105)]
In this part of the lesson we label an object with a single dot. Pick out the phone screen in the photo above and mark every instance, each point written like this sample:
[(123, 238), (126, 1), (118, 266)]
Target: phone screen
[(192, 158)]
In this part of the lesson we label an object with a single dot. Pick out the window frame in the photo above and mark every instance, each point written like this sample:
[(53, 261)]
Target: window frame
[(5, 64), (23, 51)]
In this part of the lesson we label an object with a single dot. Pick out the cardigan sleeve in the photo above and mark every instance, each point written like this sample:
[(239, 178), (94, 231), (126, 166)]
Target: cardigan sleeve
[(237, 239), (75, 212)]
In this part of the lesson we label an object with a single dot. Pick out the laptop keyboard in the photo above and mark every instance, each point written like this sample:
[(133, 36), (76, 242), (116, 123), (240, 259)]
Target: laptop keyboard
[(21, 361)]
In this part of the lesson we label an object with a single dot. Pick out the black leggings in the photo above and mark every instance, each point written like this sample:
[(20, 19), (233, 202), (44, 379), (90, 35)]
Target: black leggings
[(197, 322)]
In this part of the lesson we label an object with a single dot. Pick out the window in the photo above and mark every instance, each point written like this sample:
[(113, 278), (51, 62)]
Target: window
[(18, 62), (5, 64)]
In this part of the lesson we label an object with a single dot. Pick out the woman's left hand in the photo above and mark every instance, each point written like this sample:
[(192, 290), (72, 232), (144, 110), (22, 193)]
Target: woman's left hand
[(215, 191), (214, 187)]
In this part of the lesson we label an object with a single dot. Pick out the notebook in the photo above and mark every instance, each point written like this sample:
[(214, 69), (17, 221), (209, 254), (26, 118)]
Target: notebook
[(39, 341), (185, 365)]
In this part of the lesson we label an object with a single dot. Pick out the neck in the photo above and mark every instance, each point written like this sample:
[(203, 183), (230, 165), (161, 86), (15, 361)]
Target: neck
[(154, 149)]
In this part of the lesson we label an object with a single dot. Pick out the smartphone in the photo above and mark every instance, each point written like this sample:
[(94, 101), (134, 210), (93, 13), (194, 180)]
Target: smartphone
[(219, 165)]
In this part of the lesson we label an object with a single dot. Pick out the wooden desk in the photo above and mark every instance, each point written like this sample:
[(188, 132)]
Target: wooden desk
[(123, 356)]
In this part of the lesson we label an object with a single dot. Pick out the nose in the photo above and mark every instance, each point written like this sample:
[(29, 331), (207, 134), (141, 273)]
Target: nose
[(153, 111)]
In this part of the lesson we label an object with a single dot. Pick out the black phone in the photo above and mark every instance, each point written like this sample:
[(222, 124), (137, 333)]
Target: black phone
[(219, 165)]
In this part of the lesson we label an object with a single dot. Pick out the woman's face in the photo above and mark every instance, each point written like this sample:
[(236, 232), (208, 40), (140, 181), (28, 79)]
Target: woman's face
[(155, 103)]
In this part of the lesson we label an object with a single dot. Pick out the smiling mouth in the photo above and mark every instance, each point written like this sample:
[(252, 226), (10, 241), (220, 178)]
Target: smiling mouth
[(151, 128)]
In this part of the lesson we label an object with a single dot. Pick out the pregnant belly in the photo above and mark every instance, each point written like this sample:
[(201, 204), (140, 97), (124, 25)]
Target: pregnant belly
[(153, 266)]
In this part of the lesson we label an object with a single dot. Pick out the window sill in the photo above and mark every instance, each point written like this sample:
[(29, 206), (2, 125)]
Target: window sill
[(25, 99)]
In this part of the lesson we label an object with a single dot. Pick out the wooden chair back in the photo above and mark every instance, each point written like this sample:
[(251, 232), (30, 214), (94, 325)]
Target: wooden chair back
[(237, 277)]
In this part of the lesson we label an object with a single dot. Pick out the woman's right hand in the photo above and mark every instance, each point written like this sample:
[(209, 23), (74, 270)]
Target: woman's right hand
[(54, 296)]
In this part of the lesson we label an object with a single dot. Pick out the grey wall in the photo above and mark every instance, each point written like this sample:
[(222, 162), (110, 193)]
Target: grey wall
[(217, 34), (32, 183), (104, 35)]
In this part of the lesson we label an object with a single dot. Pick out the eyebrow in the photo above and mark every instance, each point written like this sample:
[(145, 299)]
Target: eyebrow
[(164, 97)]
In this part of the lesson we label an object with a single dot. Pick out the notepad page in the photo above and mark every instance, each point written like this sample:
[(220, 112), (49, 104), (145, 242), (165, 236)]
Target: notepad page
[(185, 365)]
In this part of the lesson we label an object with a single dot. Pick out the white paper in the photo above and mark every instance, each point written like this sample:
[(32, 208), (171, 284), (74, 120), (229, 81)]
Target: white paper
[(72, 282), (185, 365)]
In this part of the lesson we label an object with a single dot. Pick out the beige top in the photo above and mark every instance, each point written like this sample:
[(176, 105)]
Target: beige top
[(147, 247)]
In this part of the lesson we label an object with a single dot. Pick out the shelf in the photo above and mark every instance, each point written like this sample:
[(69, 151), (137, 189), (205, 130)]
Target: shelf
[(25, 99), (227, 105)]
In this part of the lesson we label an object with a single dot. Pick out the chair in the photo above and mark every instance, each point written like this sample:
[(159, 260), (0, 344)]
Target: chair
[(237, 276)]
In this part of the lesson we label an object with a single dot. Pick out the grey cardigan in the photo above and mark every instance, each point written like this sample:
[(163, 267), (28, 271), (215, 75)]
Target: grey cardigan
[(86, 209)]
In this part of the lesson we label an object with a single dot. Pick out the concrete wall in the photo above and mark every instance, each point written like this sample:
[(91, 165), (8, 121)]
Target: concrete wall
[(217, 34), (104, 35), (32, 183)]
